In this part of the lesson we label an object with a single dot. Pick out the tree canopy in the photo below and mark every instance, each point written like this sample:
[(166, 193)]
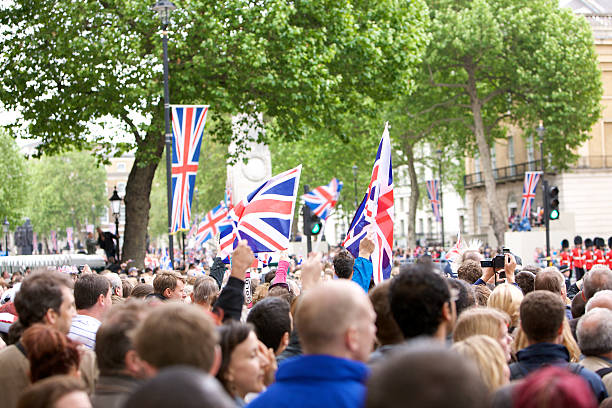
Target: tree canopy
[(13, 189)]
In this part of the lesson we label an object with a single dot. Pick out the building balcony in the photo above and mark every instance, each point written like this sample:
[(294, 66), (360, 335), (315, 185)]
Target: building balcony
[(502, 174)]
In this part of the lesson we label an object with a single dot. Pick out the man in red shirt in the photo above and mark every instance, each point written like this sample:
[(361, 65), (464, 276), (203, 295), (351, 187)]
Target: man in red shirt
[(578, 258), (588, 254), (598, 254), (609, 253), (566, 259)]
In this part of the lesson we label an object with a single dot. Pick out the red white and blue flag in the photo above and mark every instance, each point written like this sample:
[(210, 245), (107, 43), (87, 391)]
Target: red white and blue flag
[(433, 192), (264, 217), (209, 227), (529, 191), (376, 213), (187, 129), (323, 198)]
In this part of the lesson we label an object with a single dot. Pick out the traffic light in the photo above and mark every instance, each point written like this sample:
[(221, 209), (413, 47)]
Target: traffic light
[(553, 203), (315, 224)]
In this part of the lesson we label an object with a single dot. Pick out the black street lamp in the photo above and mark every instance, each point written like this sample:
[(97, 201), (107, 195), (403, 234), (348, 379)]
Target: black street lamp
[(439, 152), (541, 130), (355, 168), (115, 201), (5, 228), (164, 8)]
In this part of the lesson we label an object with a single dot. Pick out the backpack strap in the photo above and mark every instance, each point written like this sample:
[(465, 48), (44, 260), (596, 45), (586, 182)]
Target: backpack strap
[(602, 372)]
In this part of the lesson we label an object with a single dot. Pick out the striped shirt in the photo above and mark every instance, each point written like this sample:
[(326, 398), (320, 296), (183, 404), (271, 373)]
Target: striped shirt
[(83, 330)]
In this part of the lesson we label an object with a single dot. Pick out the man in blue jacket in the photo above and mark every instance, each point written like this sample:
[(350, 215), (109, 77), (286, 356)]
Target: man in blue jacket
[(335, 323), (542, 315), (358, 270)]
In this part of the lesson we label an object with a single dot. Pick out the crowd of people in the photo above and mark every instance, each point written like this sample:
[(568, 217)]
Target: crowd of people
[(316, 333)]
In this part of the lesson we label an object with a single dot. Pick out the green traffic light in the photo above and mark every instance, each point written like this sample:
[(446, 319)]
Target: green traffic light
[(554, 214), (316, 228)]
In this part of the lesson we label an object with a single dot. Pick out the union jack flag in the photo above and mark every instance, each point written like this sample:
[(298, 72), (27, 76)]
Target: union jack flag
[(209, 227), (187, 129), (529, 188), (433, 192), (264, 217), (376, 213), (69, 233), (323, 198), (454, 252), (165, 263)]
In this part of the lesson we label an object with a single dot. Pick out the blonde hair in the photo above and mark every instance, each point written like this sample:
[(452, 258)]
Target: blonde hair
[(488, 356), (507, 298), (479, 320), (520, 342)]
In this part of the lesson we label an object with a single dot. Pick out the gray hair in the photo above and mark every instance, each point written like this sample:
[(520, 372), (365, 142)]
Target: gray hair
[(598, 297), (205, 290), (114, 279), (595, 332)]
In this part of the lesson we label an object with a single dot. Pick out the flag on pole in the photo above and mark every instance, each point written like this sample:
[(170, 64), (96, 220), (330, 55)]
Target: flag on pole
[(187, 129), (264, 217), (529, 188), (454, 252), (323, 198), (376, 213), (433, 192), (165, 263), (208, 228), (69, 232)]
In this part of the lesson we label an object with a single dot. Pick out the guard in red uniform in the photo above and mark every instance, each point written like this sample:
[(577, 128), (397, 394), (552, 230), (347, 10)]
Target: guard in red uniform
[(578, 258), (566, 258), (598, 253), (609, 253), (588, 254)]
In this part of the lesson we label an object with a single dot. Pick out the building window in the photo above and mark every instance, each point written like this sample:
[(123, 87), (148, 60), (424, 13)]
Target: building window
[(104, 219), (429, 226), (120, 166), (478, 217), (493, 161), (421, 226), (403, 226), (462, 224), (530, 153), (512, 204), (511, 155), (121, 189)]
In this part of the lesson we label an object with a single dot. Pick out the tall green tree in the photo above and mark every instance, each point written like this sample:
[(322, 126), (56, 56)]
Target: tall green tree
[(66, 190), (13, 189), (302, 64), (494, 63)]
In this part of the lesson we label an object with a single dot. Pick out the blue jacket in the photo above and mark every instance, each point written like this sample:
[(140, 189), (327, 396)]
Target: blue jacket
[(533, 357), (362, 272), (316, 381)]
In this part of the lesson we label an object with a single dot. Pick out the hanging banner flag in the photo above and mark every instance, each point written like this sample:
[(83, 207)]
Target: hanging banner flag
[(323, 198), (34, 243), (187, 129), (529, 189), (264, 217), (69, 232), (376, 213), (54, 240), (433, 192)]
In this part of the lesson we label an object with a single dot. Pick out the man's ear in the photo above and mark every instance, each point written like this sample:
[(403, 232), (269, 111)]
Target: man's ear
[(351, 338), (283, 343), (447, 313), (50, 317), (214, 369), (167, 292)]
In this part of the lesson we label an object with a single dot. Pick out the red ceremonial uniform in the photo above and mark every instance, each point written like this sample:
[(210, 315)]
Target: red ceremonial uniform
[(588, 257), (598, 257), (609, 258), (566, 259), (578, 258)]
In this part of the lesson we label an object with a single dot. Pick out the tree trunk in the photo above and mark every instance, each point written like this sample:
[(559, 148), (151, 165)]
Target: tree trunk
[(137, 192), (495, 210), (414, 195)]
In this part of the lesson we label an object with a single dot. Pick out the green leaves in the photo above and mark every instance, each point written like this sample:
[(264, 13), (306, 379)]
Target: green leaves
[(13, 189)]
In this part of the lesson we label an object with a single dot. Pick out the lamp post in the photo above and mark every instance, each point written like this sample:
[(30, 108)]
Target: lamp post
[(5, 228), (439, 152), (115, 201), (355, 168), (541, 130), (164, 8)]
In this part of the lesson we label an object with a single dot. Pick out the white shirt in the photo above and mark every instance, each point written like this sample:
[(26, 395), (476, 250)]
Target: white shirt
[(84, 329)]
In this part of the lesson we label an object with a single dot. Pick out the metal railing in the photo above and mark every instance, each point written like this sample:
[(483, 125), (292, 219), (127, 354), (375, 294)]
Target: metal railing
[(502, 174)]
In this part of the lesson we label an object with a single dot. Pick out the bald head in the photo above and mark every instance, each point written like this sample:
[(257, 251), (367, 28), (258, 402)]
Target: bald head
[(597, 279), (602, 299), (594, 333), (336, 318)]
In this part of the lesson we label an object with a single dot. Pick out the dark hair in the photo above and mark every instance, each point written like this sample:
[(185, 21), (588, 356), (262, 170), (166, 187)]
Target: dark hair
[(578, 305), (271, 320), (45, 393), (387, 330), (596, 280), (542, 314), (231, 335), (481, 295), (49, 351), (425, 374), (40, 292), (166, 280), (282, 292), (550, 279), (180, 386), (343, 264), (469, 271), (141, 290), (88, 288), (535, 269), (417, 297), (269, 276), (127, 288), (113, 338), (526, 281), (465, 298)]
